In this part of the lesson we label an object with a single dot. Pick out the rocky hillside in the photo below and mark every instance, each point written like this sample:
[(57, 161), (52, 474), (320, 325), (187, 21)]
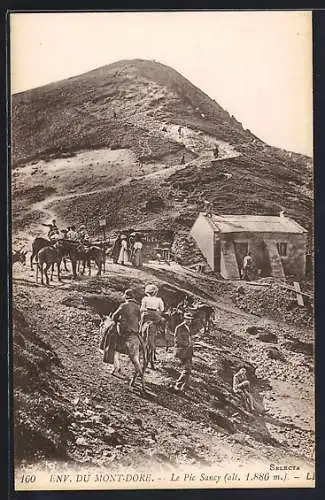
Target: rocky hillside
[(105, 142)]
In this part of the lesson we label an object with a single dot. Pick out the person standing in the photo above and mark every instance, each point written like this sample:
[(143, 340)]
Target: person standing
[(208, 208), (183, 351), (116, 249), (123, 257), (137, 253), (216, 151), (247, 264), (130, 241), (241, 386)]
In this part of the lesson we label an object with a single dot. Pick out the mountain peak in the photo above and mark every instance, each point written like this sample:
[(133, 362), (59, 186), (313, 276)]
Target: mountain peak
[(141, 121)]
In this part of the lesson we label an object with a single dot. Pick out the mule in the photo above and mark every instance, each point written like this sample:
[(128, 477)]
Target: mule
[(108, 329), (39, 243), (149, 336), (49, 256), (75, 251), (96, 254), (202, 317)]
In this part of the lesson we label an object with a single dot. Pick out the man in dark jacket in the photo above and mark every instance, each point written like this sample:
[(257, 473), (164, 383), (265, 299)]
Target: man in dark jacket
[(183, 349), (127, 317), (52, 227)]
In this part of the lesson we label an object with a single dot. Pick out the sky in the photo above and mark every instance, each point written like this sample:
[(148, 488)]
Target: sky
[(256, 65)]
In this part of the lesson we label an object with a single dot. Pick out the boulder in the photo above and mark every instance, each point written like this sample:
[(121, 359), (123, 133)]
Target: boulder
[(274, 353), (266, 336), (252, 330)]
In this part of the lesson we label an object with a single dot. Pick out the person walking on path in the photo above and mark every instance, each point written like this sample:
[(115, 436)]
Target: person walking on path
[(127, 318), (123, 257), (183, 351)]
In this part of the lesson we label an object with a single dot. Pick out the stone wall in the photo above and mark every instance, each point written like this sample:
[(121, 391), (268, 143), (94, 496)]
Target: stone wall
[(203, 234)]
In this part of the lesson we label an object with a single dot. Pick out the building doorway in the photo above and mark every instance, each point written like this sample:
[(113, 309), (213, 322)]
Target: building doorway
[(241, 249)]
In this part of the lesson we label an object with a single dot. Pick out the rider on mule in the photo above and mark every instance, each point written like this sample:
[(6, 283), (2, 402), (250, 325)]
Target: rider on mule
[(53, 230), (152, 306), (83, 236), (72, 234), (54, 235)]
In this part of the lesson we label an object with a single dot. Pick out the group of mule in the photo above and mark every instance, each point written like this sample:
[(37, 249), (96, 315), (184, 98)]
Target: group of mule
[(148, 335), (48, 253)]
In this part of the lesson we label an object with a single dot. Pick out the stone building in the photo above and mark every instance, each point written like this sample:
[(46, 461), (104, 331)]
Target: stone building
[(277, 244)]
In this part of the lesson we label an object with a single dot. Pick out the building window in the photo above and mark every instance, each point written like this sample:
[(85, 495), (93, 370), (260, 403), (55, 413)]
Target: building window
[(282, 249)]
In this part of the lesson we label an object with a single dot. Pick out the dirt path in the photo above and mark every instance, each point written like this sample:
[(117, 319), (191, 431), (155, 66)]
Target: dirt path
[(74, 336), (162, 426)]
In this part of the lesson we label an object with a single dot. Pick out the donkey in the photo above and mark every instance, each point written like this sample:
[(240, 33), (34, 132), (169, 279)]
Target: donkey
[(19, 256), (108, 330)]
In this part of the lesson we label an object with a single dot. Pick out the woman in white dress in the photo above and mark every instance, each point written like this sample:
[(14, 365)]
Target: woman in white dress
[(123, 257)]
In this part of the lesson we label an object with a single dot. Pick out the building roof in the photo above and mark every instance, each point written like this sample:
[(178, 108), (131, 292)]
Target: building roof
[(254, 224)]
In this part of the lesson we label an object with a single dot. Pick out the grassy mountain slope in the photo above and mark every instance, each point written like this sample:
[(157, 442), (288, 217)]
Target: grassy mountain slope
[(67, 119)]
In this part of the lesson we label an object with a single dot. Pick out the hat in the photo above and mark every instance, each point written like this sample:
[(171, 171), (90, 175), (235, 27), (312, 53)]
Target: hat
[(123, 237), (151, 289), (128, 294), (188, 315)]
